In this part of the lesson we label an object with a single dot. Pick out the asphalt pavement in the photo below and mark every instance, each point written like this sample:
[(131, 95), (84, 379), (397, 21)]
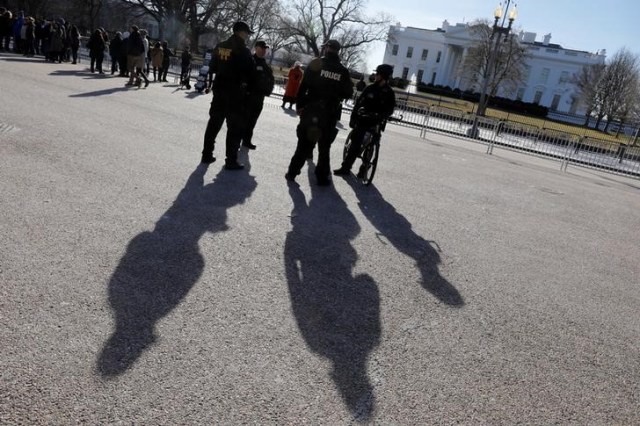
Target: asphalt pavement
[(138, 286)]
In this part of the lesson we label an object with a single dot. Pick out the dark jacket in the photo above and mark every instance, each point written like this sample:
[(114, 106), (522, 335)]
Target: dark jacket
[(186, 58), (167, 54), (74, 37), (232, 64), (263, 82), (5, 24), (327, 82), (115, 47), (375, 104), (135, 45), (30, 34), (96, 43)]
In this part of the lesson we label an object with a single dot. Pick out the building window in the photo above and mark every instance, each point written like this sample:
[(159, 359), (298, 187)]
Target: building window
[(574, 105), (537, 97), (405, 73), (520, 93), (409, 51), (394, 50), (438, 57), (433, 78), (420, 75), (564, 77), (544, 76), (425, 52), (555, 102)]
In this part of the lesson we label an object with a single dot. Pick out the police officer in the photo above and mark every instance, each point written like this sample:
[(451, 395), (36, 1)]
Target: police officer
[(374, 105), (233, 66), (326, 83), (261, 86)]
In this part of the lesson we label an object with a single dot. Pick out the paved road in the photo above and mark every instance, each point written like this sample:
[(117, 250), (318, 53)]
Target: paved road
[(139, 287)]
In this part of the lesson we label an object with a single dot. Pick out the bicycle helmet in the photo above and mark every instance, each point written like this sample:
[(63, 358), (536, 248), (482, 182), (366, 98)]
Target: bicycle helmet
[(385, 71)]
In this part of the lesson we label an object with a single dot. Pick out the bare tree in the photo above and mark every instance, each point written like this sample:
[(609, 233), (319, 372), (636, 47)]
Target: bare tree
[(616, 89), (182, 18), (31, 7), (92, 9), (586, 82), (508, 70), (312, 22)]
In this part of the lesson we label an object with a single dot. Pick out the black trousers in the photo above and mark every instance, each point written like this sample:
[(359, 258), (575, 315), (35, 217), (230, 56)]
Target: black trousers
[(357, 135), (229, 106), (164, 70), (96, 59), (122, 61), (317, 125), (256, 103)]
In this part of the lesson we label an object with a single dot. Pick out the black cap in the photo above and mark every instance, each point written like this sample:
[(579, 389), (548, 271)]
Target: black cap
[(262, 43), (333, 44), (385, 71), (242, 26)]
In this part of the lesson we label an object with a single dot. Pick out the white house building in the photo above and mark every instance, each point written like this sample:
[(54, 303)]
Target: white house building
[(436, 57)]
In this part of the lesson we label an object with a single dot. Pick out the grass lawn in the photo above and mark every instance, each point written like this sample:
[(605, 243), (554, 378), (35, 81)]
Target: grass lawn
[(424, 100)]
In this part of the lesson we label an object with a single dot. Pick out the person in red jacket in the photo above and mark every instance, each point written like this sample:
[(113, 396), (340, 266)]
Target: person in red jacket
[(293, 84)]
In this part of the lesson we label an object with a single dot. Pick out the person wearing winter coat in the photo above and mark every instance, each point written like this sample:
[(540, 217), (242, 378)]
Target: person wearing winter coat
[(74, 41), (293, 84), (16, 32), (96, 47), (29, 36), (157, 57), (166, 61), (123, 60), (115, 51), (6, 24), (56, 43), (260, 86), (135, 58)]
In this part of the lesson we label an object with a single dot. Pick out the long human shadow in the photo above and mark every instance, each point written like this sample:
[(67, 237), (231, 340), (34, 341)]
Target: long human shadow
[(398, 230), (160, 267), (19, 59), (67, 73), (338, 314), (102, 92)]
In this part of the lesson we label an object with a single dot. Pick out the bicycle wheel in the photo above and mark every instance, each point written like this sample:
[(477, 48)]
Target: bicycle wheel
[(347, 145), (369, 163)]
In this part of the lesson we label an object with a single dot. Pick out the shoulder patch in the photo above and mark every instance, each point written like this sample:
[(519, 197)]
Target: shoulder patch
[(224, 53)]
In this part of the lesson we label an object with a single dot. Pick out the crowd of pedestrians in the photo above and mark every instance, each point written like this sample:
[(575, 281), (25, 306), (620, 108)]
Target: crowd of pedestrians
[(57, 40)]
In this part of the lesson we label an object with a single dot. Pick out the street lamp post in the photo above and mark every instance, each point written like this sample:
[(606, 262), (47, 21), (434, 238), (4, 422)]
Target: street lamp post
[(494, 43)]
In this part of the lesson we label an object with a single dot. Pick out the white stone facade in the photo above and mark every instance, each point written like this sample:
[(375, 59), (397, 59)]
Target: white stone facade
[(435, 56)]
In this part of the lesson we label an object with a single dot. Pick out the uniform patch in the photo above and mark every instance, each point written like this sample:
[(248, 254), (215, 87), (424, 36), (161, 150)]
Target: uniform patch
[(332, 75), (224, 54)]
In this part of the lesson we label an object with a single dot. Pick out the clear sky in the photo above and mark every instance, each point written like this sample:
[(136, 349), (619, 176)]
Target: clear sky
[(575, 24)]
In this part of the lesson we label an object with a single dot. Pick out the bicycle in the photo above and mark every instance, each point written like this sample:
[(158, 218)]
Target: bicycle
[(369, 151)]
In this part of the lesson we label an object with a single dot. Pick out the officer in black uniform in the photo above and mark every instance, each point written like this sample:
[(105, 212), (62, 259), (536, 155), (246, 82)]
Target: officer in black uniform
[(374, 105), (326, 83), (233, 66), (261, 86)]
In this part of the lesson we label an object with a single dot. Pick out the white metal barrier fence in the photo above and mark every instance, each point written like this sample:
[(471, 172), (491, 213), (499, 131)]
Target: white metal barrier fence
[(615, 157)]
